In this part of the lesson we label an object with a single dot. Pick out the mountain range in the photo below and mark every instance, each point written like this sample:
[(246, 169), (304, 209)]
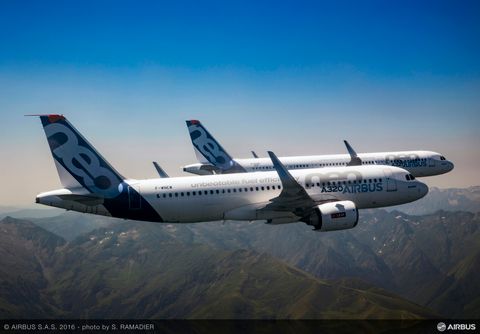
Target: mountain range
[(133, 270), (432, 260)]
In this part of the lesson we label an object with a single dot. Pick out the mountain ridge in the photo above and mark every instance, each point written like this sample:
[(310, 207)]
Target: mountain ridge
[(124, 271)]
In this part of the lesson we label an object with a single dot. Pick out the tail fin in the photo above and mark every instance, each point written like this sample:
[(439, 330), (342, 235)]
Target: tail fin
[(78, 164), (207, 149)]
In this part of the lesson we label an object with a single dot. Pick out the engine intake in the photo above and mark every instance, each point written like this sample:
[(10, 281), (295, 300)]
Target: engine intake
[(332, 216)]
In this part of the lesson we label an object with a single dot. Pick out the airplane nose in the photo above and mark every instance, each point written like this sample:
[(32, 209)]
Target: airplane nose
[(422, 189), (450, 166)]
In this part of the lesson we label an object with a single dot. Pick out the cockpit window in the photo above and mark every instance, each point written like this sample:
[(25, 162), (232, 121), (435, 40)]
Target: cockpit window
[(409, 177), (442, 157)]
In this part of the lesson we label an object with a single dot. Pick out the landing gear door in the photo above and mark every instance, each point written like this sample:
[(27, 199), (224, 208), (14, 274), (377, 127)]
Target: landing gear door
[(134, 198), (391, 182)]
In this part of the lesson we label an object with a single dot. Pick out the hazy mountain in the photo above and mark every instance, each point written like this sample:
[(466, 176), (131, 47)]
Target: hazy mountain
[(140, 271), (70, 224), (4, 209), (451, 199), (28, 212)]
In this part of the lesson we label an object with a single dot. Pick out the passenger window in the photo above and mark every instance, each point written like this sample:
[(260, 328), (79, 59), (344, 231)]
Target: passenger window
[(228, 190), (164, 195), (176, 194), (158, 196), (170, 195), (217, 191), (256, 188), (251, 188), (181, 194), (234, 190), (263, 188)]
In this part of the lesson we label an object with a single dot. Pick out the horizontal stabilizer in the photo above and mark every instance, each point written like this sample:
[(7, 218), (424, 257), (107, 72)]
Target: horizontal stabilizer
[(89, 200)]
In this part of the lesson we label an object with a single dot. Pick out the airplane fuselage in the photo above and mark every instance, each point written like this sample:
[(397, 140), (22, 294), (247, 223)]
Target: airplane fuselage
[(240, 196), (418, 163)]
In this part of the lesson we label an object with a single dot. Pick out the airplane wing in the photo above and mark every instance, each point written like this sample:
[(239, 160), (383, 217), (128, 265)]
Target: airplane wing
[(293, 197), (160, 170)]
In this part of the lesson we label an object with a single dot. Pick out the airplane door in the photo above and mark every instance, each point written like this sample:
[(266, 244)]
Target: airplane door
[(431, 162), (391, 182), (134, 198)]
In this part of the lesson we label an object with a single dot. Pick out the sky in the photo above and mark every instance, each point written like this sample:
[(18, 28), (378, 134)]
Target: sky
[(294, 77)]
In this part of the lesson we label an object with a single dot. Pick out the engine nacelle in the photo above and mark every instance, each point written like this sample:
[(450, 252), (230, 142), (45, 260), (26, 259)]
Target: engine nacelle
[(332, 216)]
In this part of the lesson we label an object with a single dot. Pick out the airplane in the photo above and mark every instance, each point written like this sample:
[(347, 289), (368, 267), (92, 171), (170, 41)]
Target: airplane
[(214, 159), (326, 198)]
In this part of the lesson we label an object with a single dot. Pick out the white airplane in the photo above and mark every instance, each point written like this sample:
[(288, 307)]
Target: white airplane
[(326, 198), (214, 159)]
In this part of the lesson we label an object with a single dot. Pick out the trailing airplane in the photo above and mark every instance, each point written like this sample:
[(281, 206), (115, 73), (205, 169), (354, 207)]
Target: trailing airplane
[(214, 159), (326, 198)]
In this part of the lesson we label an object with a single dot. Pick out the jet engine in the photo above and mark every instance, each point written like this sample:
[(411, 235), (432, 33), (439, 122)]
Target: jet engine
[(332, 216)]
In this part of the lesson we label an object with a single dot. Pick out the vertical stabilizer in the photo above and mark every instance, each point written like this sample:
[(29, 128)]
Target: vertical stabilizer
[(207, 149), (78, 164)]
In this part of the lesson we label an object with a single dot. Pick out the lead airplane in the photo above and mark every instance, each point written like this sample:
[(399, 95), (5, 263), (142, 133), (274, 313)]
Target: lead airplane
[(214, 159), (326, 198)]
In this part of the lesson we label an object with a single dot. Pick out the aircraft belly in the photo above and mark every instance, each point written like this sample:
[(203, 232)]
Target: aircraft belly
[(180, 210)]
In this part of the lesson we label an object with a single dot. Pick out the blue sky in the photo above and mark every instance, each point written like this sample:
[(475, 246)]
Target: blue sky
[(295, 77)]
